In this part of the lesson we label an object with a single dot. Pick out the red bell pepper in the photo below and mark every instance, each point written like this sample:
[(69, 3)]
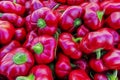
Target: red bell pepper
[(16, 20), (29, 38), (20, 34), (68, 45), (44, 48), (39, 72), (99, 76), (112, 59), (11, 7), (113, 20), (12, 45), (43, 21), (103, 38), (78, 75), (82, 31), (36, 4), (16, 63), (22, 2), (7, 32), (62, 66), (71, 18)]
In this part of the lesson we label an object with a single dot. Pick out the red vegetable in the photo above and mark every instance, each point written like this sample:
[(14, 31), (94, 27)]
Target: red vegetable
[(62, 66), (44, 49), (43, 21), (7, 32), (71, 18), (71, 48), (16, 63), (78, 75), (13, 18), (7, 48), (20, 34), (11, 7), (99, 76)]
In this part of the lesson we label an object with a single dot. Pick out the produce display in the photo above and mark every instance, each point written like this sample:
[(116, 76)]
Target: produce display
[(59, 39)]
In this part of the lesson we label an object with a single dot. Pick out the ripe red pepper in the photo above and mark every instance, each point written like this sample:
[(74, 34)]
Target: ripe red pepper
[(16, 20), (11, 7), (16, 63), (62, 66), (22, 2), (12, 45), (102, 38), (20, 34), (69, 46), (39, 72), (99, 76), (82, 31), (112, 59), (44, 48), (113, 20), (29, 38), (43, 21), (71, 18), (78, 75), (35, 4), (6, 32)]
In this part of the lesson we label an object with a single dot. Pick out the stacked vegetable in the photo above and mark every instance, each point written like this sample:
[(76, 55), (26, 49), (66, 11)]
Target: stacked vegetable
[(59, 40)]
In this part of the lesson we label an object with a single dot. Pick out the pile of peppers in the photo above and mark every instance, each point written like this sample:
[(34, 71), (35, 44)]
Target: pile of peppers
[(59, 39)]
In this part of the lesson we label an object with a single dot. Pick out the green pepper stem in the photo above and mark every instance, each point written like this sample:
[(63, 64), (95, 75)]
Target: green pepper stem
[(77, 39), (113, 76), (38, 48), (100, 15), (73, 65), (30, 77), (19, 58), (14, 1), (56, 6), (98, 53), (41, 23), (77, 22), (1, 14)]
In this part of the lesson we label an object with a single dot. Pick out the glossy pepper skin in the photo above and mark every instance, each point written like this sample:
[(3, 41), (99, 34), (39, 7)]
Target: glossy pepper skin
[(44, 49), (39, 72), (113, 20), (20, 34), (112, 59), (62, 66), (78, 75), (10, 7), (16, 20), (71, 18), (43, 21), (7, 32), (22, 2), (82, 31), (16, 63), (12, 45), (99, 76), (69, 46), (102, 38)]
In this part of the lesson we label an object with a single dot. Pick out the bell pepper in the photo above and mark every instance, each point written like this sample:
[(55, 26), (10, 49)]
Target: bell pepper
[(16, 63), (93, 41), (111, 7), (20, 34), (16, 20), (62, 66), (7, 32), (29, 38), (11, 7), (69, 45), (112, 59), (99, 76), (71, 18), (78, 75), (113, 20), (22, 2), (39, 72), (5, 49), (36, 4), (43, 21), (82, 31), (44, 49)]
